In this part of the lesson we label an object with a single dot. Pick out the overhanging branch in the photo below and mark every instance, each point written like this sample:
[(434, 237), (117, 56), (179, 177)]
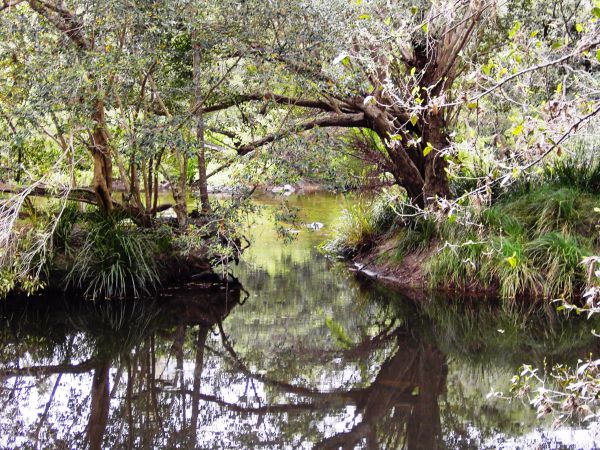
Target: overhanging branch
[(331, 120)]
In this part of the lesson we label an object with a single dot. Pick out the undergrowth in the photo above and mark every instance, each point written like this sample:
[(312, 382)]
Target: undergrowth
[(115, 259), (529, 243)]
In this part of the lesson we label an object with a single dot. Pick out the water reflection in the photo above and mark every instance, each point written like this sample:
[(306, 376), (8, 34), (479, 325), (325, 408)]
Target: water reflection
[(177, 373), (303, 356)]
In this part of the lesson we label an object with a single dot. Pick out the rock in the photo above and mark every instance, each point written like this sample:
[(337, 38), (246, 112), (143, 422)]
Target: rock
[(169, 213), (286, 189), (315, 226)]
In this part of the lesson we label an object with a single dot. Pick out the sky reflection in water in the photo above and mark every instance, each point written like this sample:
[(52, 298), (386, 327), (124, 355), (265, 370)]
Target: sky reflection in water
[(303, 356)]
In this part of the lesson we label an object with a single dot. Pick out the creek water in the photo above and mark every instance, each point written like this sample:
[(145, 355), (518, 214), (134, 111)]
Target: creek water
[(303, 355)]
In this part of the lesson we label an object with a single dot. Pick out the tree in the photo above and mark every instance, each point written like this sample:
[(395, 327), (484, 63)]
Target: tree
[(414, 72)]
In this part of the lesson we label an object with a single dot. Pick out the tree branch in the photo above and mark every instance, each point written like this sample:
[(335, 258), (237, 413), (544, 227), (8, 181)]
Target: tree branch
[(7, 4), (331, 120)]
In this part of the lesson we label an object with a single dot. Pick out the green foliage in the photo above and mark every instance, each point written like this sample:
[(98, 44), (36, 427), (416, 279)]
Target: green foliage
[(561, 256), (360, 224), (527, 244), (64, 227), (116, 259), (581, 171), (548, 208), (414, 236)]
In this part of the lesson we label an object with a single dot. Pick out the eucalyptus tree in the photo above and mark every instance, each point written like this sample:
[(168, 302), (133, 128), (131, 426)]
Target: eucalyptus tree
[(419, 76)]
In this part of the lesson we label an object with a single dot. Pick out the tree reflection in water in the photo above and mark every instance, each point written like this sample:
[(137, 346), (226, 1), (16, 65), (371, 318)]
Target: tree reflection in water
[(168, 373)]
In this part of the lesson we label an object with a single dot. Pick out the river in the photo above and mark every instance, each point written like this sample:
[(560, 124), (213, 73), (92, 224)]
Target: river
[(304, 355)]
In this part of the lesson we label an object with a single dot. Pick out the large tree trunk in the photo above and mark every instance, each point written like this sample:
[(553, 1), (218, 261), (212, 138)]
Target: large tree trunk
[(434, 166), (423, 177), (102, 181)]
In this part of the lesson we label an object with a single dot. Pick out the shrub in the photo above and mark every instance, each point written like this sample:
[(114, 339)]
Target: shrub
[(116, 259), (360, 224)]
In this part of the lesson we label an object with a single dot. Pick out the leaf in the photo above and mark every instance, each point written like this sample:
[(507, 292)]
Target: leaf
[(427, 149), (598, 54), (518, 130), (364, 17), (472, 105), (387, 21), (514, 30), (559, 88), (512, 260), (414, 119), (579, 27), (415, 391), (339, 58), (424, 27), (596, 11)]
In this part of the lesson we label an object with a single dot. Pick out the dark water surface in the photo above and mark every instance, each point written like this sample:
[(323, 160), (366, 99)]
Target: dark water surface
[(303, 356)]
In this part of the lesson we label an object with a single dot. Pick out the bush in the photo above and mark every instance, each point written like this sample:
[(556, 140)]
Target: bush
[(360, 224), (116, 259)]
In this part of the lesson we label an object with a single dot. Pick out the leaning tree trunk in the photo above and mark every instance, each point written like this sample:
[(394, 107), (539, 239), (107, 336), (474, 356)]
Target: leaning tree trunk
[(102, 181)]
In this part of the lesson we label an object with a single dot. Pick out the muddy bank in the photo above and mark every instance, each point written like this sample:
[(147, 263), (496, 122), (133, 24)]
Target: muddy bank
[(410, 273)]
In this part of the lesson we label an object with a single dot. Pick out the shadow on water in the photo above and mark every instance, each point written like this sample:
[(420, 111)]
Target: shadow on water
[(304, 356)]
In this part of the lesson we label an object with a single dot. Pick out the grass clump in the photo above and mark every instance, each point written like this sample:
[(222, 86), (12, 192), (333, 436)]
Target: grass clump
[(529, 244), (115, 259), (359, 226)]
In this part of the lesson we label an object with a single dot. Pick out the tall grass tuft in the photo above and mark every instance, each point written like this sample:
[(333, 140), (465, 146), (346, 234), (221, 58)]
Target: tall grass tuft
[(359, 226), (116, 259), (530, 244), (580, 171), (561, 258)]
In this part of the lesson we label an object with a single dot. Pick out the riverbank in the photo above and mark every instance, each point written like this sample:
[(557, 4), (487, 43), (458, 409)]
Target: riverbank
[(529, 243)]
